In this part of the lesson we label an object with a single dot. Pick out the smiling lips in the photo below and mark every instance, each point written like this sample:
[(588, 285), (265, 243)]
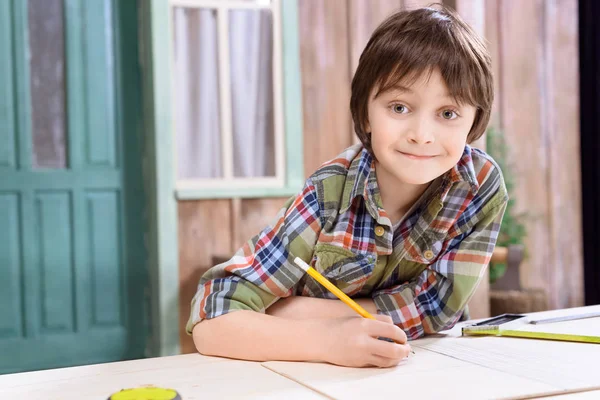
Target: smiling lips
[(416, 156)]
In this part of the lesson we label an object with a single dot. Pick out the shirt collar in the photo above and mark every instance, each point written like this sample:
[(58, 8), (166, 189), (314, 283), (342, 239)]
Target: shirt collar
[(463, 171), (361, 180)]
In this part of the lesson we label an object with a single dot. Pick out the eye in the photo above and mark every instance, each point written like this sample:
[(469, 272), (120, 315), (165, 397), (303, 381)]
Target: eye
[(399, 108), (449, 114)]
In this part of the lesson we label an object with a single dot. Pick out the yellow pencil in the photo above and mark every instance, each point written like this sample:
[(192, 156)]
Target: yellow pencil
[(333, 289)]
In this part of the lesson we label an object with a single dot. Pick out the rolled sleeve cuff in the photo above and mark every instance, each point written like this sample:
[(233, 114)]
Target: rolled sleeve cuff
[(404, 314), (212, 300)]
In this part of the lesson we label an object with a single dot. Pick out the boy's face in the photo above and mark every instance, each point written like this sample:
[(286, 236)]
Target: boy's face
[(418, 132)]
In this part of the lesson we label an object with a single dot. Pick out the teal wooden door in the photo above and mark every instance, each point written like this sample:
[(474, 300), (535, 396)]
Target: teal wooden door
[(71, 239)]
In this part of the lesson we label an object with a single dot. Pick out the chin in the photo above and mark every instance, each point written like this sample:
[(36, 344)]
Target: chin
[(412, 180)]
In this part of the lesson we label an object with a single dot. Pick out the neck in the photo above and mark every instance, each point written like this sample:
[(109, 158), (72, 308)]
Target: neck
[(397, 197)]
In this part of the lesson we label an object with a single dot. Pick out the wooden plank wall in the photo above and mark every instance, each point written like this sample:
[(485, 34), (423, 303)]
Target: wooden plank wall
[(535, 49), (332, 36)]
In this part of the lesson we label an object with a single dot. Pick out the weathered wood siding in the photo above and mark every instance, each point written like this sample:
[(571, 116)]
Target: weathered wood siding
[(534, 46)]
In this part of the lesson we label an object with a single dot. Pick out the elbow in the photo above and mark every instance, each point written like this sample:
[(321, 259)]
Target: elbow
[(439, 323), (203, 336), (220, 336)]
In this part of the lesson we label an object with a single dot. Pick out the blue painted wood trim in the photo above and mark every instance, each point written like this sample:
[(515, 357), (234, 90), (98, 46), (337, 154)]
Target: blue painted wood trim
[(100, 135), (77, 87), (159, 179), (90, 88), (8, 123), (21, 42), (29, 254), (57, 179), (130, 130)]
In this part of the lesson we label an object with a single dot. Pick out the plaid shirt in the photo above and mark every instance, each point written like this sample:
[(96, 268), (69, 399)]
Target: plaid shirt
[(422, 275)]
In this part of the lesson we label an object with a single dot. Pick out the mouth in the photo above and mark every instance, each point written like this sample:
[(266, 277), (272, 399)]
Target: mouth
[(417, 156)]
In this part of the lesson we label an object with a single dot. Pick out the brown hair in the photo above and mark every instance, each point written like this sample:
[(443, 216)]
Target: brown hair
[(410, 43)]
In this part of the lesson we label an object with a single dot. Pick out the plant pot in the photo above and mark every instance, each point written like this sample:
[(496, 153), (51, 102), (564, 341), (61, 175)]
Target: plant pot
[(513, 256)]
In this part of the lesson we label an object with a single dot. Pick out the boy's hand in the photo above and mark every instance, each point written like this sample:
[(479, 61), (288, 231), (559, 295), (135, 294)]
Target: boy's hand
[(353, 342)]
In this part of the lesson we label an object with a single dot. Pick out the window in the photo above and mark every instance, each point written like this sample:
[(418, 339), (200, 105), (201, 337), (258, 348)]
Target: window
[(236, 98)]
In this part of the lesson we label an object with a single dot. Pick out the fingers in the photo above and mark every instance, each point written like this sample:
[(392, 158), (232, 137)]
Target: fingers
[(381, 362), (387, 330), (389, 350), (384, 318)]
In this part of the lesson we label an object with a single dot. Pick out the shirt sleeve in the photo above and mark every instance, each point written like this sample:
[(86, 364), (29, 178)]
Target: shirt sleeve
[(435, 299), (262, 271)]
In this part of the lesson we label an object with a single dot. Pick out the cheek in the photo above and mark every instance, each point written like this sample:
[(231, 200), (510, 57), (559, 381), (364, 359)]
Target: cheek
[(376, 118), (378, 139), (383, 128), (384, 136), (454, 144)]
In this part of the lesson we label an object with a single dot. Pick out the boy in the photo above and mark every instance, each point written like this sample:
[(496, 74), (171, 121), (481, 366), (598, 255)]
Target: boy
[(405, 223)]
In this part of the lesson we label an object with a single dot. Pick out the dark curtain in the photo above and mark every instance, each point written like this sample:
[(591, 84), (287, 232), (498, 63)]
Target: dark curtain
[(589, 68)]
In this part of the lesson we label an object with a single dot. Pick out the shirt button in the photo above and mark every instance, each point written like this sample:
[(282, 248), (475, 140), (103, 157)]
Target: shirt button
[(428, 254), (379, 231)]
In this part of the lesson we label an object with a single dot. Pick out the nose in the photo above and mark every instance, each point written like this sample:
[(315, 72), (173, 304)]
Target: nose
[(421, 131)]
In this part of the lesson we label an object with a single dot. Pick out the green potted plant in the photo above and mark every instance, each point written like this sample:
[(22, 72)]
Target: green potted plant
[(504, 267)]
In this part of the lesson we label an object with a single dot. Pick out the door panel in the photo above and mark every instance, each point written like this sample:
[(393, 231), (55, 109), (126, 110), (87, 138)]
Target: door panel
[(103, 217), (70, 219), (54, 265), (10, 274)]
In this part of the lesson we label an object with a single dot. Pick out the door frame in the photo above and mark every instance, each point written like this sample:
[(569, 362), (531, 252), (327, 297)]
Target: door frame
[(159, 179), (129, 97)]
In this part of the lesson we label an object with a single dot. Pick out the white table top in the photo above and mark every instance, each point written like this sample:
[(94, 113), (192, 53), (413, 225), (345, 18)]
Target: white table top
[(193, 376), (445, 366)]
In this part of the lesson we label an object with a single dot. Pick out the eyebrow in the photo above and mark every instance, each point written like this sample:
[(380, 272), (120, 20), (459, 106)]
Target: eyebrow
[(401, 88), (406, 89)]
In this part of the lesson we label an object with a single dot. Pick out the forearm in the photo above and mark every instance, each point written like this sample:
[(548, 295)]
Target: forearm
[(250, 335), (298, 307)]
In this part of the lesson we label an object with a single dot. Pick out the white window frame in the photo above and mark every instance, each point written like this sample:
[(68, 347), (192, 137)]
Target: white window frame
[(288, 174)]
